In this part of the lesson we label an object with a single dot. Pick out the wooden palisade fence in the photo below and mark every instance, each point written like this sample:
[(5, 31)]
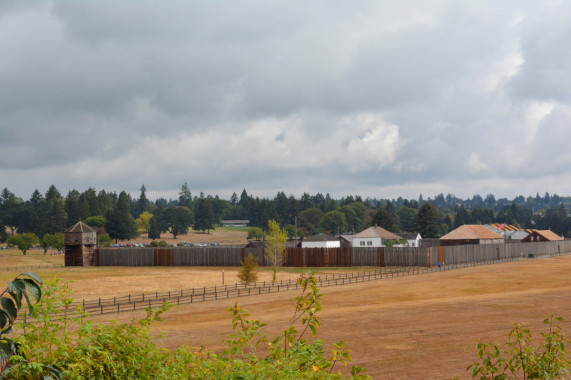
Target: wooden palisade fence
[(330, 257)]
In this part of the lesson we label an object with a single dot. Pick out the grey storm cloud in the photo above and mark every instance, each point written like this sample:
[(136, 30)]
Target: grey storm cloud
[(374, 98)]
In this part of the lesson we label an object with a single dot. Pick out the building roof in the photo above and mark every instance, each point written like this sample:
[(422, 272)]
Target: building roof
[(377, 232), (504, 227), (321, 237), (471, 232), (348, 238), (549, 235), (517, 235), (80, 227), (409, 235)]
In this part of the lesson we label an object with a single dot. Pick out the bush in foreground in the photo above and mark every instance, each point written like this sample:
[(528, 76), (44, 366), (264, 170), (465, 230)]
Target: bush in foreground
[(520, 359), (64, 343)]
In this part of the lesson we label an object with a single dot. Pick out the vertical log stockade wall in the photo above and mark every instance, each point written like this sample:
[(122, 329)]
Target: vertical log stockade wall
[(329, 257)]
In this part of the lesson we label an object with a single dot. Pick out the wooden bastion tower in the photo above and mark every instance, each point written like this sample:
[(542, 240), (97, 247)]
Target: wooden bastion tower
[(80, 245)]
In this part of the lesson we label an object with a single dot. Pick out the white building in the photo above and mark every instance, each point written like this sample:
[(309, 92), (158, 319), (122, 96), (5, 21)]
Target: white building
[(320, 241), (373, 237), (412, 238)]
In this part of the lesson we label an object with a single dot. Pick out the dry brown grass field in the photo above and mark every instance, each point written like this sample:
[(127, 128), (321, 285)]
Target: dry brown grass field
[(223, 235), (416, 327)]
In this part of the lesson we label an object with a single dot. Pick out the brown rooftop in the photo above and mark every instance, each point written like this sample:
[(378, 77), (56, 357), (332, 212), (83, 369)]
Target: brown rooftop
[(471, 232), (377, 232), (320, 237), (80, 227), (549, 235)]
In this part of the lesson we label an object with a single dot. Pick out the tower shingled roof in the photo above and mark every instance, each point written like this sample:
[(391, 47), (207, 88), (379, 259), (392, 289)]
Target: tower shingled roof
[(80, 227)]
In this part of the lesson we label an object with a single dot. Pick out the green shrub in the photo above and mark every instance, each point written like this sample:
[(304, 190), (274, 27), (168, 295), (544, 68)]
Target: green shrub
[(520, 359), (64, 343), (247, 273)]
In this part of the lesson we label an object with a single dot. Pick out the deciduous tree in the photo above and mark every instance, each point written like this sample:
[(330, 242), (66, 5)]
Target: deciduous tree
[(275, 246), (23, 241), (55, 241), (144, 221), (333, 222), (178, 220), (256, 233)]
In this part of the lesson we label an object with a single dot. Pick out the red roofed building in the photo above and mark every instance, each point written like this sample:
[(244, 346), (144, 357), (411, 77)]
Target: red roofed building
[(542, 235), (471, 234)]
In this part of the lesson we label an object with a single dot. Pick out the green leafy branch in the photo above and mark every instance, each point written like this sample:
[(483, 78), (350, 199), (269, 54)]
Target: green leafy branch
[(20, 288), (520, 359)]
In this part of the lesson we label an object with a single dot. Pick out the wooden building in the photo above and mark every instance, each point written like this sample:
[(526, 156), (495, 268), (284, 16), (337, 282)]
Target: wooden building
[(471, 234), (542, 235), (80, 244)]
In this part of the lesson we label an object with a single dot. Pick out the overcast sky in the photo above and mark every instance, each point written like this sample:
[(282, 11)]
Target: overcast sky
[(379, 98)]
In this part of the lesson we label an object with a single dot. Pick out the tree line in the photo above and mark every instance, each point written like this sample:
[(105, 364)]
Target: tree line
[(124, 216)]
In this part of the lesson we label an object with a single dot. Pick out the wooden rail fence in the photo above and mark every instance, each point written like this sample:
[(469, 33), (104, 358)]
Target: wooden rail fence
[(187, 296)]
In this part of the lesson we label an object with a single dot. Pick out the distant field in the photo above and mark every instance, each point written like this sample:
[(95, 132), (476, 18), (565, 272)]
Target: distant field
[(223, 235)]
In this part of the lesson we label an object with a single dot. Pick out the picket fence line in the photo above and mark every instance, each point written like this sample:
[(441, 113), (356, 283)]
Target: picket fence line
[(30, 267)]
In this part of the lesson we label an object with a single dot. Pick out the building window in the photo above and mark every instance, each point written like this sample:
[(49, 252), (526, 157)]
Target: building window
[(369, 242), (362, 243)]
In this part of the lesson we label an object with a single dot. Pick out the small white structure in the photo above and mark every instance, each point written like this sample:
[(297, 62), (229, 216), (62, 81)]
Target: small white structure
[(373, 237), (412, 238), (320, 241), (235, 223)]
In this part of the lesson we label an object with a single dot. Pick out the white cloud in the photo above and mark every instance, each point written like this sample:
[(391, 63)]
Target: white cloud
[(475, 163), (355, 97), (535, 112)]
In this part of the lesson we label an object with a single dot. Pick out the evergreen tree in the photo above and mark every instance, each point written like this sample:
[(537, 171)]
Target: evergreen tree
[(106, 201), (426, 221), (120, 223), (234, 199), (383, 219), (185, 196), (55, 217), (406, 217), (3, 234), (204, 215), (462, 217), (154, 228), (72, 207), (143, 203), (10, 208)]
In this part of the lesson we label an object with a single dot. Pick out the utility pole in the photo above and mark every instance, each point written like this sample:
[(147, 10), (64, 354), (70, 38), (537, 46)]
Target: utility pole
[(295, 222)]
